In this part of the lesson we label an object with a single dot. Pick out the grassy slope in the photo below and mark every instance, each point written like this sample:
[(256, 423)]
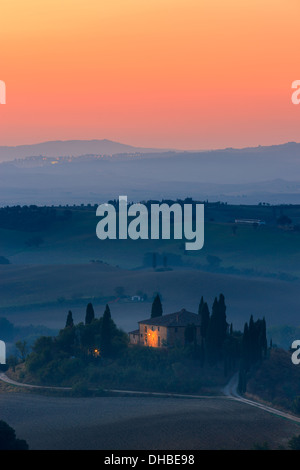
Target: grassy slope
[(60, 268), (277, 380), (78, 284), (265, 250)]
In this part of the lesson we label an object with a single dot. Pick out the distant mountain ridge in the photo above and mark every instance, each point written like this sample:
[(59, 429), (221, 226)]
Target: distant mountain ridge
[(96, 171), (75, 148)]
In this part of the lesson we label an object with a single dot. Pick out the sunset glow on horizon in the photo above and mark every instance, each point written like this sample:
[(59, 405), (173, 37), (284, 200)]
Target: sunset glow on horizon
[(177, 74)]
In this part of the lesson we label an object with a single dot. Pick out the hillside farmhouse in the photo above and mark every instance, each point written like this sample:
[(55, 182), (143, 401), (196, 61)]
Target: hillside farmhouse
[(166, 330), (249, 222)]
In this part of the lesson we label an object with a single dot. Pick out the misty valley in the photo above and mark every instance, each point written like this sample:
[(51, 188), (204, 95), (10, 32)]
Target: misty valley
[(110, 319)]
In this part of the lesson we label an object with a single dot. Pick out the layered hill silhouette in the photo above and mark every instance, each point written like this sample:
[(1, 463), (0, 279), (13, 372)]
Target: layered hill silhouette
[(75, 148), (94, 171)]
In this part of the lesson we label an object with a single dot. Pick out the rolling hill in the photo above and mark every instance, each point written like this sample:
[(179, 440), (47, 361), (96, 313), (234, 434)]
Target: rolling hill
[(83, 172), (73, 148)]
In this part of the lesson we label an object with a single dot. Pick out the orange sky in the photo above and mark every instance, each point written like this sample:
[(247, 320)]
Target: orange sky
[(169, 73)]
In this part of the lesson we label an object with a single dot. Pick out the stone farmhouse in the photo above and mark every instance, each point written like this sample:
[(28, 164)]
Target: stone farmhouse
[(166, 330)]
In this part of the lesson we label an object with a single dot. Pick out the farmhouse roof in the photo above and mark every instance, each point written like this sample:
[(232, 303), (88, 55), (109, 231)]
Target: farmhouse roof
[(134, 332), (182, 318)]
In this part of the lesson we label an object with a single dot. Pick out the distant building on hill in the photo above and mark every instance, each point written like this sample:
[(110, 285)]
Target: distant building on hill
[(137, 298), (250, 221), (166, 330)]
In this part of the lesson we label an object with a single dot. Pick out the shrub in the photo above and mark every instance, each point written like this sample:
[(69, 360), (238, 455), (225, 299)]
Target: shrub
[(294, 443), (80, 389), (8, 440)]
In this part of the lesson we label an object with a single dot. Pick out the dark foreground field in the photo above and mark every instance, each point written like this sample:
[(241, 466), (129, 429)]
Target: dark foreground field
[(141, 423)]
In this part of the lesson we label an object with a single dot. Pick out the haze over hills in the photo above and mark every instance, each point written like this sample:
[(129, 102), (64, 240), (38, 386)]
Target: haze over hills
[(251, 175), (74, 148)]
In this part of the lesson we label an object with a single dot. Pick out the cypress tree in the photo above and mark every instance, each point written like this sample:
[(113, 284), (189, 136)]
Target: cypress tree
[(263, 337), (106, 332), (204, 320), (156, 310), (223, 325), (69, 321), (212, 343), (252, 343), (200, 308), (90, 314), (217, 330)]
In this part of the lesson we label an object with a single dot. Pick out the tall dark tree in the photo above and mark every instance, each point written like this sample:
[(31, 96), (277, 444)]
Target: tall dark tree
[(200, 305), (263, 337), (106, 333), (156, 310), (252, 345), (223, 325), (257, 340), (204, 320), (217, 330), (245, 360), (90, 314), (254, 348), (212, 345), (69, 321)]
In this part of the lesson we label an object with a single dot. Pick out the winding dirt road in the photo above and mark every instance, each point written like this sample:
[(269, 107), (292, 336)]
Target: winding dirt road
[(229, 392)]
